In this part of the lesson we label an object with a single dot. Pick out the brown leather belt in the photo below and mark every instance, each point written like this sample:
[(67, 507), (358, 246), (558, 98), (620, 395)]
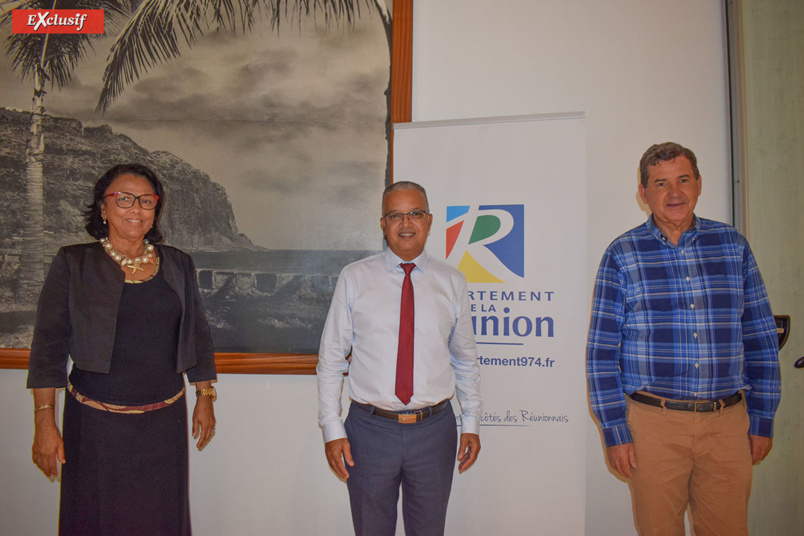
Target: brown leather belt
[(404, 417), (702, 406)]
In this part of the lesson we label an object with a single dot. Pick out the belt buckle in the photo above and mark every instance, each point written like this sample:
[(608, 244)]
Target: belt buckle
[(706, 407), (407, 418)]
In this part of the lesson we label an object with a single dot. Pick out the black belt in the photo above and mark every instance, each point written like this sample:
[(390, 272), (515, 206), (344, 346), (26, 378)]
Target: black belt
[(703, 406), (404, 417)]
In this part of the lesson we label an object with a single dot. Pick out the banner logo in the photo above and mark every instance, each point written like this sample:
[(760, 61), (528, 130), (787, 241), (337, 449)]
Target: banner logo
[(57, 21), (487, 242)]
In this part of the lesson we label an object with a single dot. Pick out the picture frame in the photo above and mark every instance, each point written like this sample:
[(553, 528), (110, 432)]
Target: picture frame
[(400, 112)]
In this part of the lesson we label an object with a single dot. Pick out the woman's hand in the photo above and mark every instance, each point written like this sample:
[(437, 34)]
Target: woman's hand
[(203, 421), (48, 447)]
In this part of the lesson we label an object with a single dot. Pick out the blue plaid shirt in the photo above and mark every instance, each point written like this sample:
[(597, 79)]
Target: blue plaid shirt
[(686, 322)]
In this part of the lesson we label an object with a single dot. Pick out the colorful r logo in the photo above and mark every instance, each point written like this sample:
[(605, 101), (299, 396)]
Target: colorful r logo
[(487, 243)]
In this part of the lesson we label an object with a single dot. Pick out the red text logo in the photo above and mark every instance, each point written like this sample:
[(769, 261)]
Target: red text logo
[(57, 21)]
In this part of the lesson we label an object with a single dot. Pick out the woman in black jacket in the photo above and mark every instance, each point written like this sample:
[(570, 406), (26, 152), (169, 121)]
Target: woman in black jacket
[(127, 311)]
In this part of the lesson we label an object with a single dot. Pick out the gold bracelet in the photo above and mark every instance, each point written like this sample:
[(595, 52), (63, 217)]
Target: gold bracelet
[(43, 406), (209, 391)]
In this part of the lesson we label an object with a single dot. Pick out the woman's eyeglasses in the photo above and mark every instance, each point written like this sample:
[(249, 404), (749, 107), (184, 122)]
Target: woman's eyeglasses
[(126, 200)]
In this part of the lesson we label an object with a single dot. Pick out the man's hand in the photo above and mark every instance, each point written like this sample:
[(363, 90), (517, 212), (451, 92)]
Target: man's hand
[(468, 450), (338, 451), (622, 458), (760, 447)]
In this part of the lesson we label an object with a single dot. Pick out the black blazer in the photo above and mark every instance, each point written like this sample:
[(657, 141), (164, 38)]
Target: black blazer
[(77, 315)]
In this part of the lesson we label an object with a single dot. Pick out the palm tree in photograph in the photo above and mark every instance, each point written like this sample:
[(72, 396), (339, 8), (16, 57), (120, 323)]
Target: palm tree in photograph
[(44, 59), (151, 37), (151, 33)]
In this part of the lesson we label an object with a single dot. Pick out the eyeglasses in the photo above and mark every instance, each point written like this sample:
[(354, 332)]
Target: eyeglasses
[(126, 200), (414, 215)]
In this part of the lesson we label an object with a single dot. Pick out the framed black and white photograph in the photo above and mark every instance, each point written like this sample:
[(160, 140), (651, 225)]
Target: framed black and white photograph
[(270, 130)]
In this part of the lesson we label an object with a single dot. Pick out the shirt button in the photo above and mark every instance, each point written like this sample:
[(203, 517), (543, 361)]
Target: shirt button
[(692, 306), (695, 335), (688, 278), (696, 365), (682, 252), (694, 394)]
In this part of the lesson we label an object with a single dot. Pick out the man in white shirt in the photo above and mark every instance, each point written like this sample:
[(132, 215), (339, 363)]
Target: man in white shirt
[(400, 430)]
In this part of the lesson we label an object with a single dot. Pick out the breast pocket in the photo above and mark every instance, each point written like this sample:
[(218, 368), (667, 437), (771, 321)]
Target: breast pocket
[(657, 298)]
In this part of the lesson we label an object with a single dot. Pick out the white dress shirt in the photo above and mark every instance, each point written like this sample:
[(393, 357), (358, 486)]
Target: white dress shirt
[(364, 319)]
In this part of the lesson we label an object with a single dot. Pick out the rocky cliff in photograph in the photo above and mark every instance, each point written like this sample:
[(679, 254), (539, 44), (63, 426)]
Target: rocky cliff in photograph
[(257, 300), (197, 213)]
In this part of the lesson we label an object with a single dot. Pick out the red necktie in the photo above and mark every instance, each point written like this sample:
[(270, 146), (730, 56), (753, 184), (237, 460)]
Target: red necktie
[(404, 357)]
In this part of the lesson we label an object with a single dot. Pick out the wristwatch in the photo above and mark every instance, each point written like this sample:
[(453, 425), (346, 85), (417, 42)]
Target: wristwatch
[(209, 391)]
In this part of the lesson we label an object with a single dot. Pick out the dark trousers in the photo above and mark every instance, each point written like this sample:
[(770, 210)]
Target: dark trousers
[(419, 457)]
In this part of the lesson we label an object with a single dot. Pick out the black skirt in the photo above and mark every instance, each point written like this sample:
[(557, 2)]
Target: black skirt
[(124, 474)]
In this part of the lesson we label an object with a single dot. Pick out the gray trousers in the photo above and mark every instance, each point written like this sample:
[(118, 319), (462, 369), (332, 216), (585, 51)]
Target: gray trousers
[(419, 457)]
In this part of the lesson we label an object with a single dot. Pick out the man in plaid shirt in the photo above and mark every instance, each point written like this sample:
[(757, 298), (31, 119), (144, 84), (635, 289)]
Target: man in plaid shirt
[(682, 358)]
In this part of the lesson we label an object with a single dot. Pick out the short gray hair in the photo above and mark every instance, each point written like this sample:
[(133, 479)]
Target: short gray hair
[(405, 185)]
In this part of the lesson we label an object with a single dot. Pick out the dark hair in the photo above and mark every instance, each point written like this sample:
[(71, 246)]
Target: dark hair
[(94, 221), (664, 152), (404, 185)]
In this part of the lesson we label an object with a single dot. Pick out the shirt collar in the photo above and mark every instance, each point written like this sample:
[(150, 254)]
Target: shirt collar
[(687, 238), (392, 261)]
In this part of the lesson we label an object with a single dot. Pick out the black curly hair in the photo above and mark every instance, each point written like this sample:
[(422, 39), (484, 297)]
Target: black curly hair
[(94, 221)]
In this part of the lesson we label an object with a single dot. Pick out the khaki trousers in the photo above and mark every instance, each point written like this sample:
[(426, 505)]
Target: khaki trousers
[(698, 459)]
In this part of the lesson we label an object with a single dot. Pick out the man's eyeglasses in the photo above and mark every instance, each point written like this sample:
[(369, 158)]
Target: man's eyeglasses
[(126, 200), (414, 215)]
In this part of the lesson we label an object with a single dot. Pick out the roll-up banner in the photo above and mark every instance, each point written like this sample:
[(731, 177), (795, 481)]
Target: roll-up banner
[(508, 198)]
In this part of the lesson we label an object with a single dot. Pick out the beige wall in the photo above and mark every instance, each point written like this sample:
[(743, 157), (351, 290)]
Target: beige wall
[(641, 72), (773, 33)]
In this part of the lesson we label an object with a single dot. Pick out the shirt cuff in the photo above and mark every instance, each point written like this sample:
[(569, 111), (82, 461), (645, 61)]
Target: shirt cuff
[(333, 430), (470, 424), (760, 426), (617, 435)]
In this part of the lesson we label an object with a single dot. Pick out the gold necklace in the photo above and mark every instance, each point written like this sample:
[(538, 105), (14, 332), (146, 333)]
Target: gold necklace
[(136, 263)]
